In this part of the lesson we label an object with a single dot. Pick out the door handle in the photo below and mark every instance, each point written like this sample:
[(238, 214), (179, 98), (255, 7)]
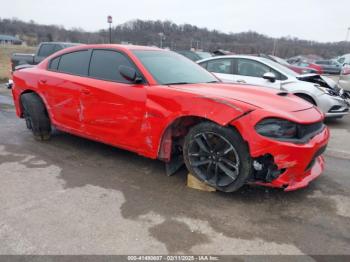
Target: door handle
[(85, 91), (42, 81), (241, 81)]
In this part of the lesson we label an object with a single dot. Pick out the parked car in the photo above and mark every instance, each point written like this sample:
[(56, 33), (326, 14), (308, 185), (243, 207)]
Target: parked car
[(329, 66), (318, 68), (190, 55), (203, 55), (344, 78), (295, 68), (344, 59), (318, 90), (163, 106), (45, 49)]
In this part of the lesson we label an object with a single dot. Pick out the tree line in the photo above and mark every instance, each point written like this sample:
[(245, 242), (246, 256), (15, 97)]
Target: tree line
[(175, 37)]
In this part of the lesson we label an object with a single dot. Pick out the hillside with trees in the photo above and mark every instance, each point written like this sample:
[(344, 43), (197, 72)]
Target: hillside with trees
[(176, 37)]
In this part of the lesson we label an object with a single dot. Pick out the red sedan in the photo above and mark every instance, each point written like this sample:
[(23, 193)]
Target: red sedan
[(317, 68), (163, 106)]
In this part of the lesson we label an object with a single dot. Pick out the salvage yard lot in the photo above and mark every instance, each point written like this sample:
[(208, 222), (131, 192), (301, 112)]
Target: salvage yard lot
[(75, 196)]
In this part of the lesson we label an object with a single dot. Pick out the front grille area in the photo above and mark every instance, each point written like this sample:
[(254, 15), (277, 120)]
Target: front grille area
[(310, 130)]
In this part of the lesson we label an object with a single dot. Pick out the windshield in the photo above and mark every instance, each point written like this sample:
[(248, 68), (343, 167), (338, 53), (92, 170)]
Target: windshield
[(283, 69), (170, 68)]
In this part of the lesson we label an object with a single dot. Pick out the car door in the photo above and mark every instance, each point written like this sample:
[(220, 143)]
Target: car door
[(62, 86), (249, 71), (221, 68), (113, 107)]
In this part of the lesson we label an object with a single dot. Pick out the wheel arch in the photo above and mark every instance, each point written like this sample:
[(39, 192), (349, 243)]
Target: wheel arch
[(177, 128), (26, 91)]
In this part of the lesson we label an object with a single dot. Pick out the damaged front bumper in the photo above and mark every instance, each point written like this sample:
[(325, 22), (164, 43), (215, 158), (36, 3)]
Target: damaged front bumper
[(286, 165), (296, 165)]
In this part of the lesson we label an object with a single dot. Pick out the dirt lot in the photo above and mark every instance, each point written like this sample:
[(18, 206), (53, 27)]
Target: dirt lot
[(5, 56), (74, 196)]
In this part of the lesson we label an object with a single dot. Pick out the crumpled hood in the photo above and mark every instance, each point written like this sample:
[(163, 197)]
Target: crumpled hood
[(318, 79), (261, 97)]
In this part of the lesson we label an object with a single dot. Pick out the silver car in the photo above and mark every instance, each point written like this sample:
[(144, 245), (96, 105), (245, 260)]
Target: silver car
[(344, 78), (318, 90)]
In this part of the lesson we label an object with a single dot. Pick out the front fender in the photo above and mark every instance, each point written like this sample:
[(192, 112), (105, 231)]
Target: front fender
[(162, 112)]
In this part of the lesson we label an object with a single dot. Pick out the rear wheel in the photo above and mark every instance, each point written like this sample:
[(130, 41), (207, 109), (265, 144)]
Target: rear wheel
[(36, 116), (217, 156)]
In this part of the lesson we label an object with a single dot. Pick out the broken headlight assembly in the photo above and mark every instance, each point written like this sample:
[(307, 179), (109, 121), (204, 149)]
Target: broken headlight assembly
[(328, 91), (284, 130), (277, 128)]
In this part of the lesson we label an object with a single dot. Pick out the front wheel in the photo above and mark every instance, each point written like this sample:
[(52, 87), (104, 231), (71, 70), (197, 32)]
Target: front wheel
[(217, 156)]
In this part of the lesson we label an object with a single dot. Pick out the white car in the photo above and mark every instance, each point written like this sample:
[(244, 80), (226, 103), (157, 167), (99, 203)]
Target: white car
[(344, 59), (318, 90)]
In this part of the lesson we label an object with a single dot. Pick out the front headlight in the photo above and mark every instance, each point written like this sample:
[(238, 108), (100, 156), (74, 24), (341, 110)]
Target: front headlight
[(277, 128), (322, 89)]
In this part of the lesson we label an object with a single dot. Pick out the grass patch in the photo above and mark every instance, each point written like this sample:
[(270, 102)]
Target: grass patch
[(5, 58)]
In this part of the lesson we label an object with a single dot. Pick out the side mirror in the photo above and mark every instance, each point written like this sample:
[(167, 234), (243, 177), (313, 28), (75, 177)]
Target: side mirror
[(129, 74), (270, 77)]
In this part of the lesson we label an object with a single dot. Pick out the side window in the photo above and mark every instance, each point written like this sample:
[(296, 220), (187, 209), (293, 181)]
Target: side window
[(247, 67), (204, 65), (54, 63), (222, 66), (76, 63), (46, 50), (105, 64)]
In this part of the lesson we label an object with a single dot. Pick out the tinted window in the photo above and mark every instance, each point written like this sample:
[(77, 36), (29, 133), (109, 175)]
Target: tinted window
[(222, 66), (247, 67), (54, 63), (105, 65), (76, 63), (47, 49)]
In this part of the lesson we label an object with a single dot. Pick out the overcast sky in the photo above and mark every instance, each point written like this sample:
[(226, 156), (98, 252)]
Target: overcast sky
[(320, 20)]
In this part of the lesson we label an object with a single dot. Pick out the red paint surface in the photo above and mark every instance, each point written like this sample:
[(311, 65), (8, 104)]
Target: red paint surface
[(136, 116)]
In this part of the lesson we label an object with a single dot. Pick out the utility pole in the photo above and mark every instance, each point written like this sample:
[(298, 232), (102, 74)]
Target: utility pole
[(110, 20), (347, 34), (161, 36), (275, 42)]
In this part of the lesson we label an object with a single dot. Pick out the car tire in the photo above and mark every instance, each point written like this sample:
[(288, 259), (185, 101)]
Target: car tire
[(35, 114), (218, 156)]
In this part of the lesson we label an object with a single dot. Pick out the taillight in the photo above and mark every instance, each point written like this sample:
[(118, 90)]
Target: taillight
[(345, 71)]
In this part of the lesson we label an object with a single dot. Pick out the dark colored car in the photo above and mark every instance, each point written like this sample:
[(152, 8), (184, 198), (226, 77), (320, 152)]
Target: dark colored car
[(190, 55), (44, 50), (329, 66)]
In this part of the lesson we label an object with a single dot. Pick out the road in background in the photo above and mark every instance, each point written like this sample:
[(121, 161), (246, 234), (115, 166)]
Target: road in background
[(74, 196)]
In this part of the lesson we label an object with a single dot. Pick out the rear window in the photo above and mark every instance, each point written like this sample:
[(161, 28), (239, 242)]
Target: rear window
[(76, 63)]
